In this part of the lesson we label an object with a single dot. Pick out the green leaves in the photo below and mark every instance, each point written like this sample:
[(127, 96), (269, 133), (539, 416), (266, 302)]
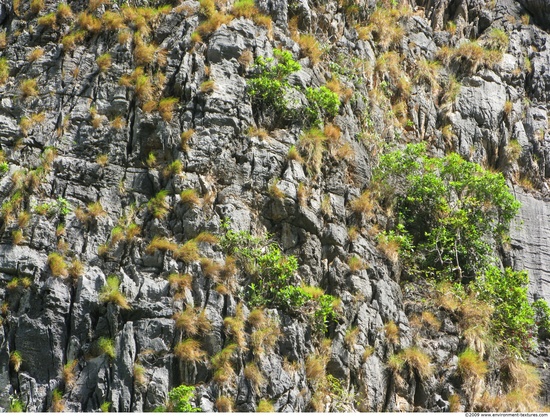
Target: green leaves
[(179, 400), (270, 83), (322, 103), (514, 317), (450, 214), (271, 275), (449, 206), (270, 87)]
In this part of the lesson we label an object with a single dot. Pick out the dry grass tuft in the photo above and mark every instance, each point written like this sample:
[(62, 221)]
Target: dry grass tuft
[(36, 6), (190, 197), (104, 62), (161, 244), (110, 293), (472, 369), (310, 47), (89, 22), (189, 351), (254, 375), (35, 54), (187, 252), (166, 108), (58, 404), (180, 282), (392, 332), (224, 404), (207, 86), (64, 11), (256, 318), (313, 145), (274, 191), (265, 406), (28, 88), (185, 137), (69, 375), (417, 361), (355, 263), (315, 367), (364, 204), (102, 160), (57, 265), (158, 206), (234, 327), (244, 8)]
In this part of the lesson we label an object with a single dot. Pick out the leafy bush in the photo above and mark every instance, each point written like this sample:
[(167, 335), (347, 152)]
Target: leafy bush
[(322, 103), (513, 317), (179, 399), (447, 208), (542, 317), (271, 276), (269, 84)]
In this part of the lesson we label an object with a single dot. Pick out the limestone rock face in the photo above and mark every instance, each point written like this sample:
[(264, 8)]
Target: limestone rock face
[(530, 245), (130, 135)]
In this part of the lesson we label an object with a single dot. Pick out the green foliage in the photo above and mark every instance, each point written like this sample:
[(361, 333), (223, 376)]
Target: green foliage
[(542, 317), (448, 211), (16, 405), (322, 103), (270, 83), (513, 318), (179, 400), (447, 208), (63, 206), (270, 87), (271, 276), (105, 406)]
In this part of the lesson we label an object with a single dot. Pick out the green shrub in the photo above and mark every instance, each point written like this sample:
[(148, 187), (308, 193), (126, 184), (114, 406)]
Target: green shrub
[(322, 103), (269, 83), (179, 399), (447, 208), (513, 319), (542, 317), (272, 274)]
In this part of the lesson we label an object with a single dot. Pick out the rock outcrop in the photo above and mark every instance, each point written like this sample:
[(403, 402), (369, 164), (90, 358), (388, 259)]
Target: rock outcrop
[(122, 123)]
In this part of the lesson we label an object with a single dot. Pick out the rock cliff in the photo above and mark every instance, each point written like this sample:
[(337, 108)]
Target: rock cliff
[(146, 145)]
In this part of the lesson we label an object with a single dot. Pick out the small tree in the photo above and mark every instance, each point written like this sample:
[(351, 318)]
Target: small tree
[(179, 400), (448, 210)]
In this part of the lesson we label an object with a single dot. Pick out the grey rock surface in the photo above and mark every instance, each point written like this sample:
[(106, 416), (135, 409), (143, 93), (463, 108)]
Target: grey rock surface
[(96, 165)]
